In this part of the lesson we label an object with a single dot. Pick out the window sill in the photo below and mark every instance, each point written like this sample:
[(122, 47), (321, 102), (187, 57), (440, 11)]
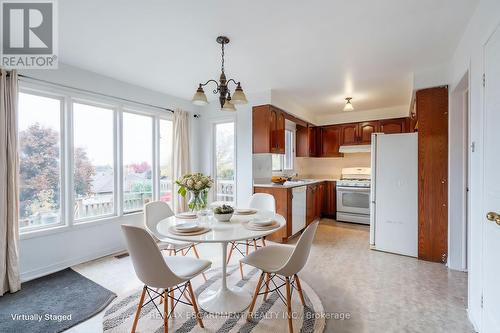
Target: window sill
[(75, 226)]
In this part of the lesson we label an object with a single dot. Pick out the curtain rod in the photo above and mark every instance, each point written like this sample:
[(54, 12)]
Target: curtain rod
[(94, 93)]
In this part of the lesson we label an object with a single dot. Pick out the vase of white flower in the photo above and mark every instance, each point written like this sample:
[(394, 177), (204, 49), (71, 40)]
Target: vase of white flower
[(197, 185)]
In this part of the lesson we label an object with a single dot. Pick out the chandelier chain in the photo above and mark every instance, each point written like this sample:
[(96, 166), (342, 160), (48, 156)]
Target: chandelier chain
[(222, 57)]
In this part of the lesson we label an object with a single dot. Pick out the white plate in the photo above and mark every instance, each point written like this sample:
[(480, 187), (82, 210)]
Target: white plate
[(248, 211), (186, 215), (187, 226), (263, 221)]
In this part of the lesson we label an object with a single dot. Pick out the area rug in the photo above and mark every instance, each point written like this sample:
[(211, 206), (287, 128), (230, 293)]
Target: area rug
[(52, 303), (269, 316)]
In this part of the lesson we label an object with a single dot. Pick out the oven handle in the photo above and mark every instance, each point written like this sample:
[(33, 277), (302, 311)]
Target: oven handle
[(353, 189)]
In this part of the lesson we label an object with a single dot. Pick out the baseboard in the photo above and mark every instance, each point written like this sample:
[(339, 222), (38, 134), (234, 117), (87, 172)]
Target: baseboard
[(39, 272)]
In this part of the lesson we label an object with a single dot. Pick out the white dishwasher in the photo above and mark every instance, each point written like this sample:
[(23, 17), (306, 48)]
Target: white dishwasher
[(298, 208)]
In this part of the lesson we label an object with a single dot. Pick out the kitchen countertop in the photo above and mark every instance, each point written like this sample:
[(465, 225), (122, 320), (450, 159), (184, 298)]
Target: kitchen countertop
[(294, 184)]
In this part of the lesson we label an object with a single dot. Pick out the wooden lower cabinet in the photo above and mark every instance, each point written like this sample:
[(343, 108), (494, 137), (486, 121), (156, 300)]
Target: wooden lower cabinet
[(320, 201), (330, 200), (283, 197)]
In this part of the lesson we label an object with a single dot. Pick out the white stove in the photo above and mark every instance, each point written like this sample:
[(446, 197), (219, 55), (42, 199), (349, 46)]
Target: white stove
[(353, 195)]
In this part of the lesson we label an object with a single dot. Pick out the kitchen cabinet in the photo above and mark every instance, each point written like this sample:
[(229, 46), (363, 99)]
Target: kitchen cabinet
[(329, 139), (365, 130), (432, 111), (358, 133), (268, 130), (314, 202), (394, 126), (283, 197), (306, 141), (330, 199), (310, 204), (349, 134)]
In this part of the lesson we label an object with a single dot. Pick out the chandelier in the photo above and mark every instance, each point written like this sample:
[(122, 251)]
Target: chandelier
[(227, 102)]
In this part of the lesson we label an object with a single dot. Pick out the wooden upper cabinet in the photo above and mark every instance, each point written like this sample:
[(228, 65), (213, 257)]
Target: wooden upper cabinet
[(268, 130), (279, 137), (305, 141), (302, 141), (365, 131), (330, 141), (394, 126), (349, 134)]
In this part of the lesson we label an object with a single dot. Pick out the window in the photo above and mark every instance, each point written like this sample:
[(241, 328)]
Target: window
[(69, 174), (137, 161), (225, 162), (284, 162), (40, 161), (93, 154), (166, 160)]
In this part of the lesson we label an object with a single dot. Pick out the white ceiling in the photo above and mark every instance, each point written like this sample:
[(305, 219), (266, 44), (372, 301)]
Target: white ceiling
[(316, 52)]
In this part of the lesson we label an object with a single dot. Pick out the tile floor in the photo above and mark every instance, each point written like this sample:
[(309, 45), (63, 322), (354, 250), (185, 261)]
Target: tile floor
[(382, 292)]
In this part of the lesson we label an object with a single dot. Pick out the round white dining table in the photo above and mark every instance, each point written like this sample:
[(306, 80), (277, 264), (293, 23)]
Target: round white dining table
[(224, 299)]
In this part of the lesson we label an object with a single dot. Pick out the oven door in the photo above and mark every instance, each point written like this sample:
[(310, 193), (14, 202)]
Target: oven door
[(354, 200)]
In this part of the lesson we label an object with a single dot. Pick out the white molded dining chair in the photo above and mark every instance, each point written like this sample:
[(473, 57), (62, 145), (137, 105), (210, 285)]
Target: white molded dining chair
[(283, 262), (263, 202), (169, 273), (156, 211)]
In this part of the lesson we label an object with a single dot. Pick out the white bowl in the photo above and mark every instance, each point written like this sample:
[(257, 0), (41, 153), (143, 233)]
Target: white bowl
[(223, 217)]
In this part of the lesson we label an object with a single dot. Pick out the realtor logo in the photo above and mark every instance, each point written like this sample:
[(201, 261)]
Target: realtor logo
[(28, 36)]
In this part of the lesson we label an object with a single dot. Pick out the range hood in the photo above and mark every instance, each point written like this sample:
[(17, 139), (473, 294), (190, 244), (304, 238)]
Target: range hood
[(355, 149)]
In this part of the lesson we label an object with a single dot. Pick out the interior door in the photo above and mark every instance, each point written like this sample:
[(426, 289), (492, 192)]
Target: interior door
[(491, 195)]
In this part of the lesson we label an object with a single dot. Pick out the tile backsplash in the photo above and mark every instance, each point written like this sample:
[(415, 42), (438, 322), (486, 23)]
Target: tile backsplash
[(262, 168), (308, 167)]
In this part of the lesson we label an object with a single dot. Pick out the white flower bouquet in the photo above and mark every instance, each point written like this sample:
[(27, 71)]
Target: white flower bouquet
[(198, 185)]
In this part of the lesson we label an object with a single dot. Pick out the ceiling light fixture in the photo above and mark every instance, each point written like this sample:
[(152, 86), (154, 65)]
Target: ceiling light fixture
[(348, 105), (222, 87)]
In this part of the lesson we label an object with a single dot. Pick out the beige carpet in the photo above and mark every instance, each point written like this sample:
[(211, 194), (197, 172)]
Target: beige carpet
[(270, 316)]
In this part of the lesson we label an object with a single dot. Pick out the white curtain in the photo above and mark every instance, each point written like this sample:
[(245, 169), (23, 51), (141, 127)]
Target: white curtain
[(9, 166), (180, 155)]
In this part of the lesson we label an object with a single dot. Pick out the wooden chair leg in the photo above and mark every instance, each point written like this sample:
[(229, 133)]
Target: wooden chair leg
[(255, 245), (195, 305), (138, 312), (263, 241), (268, 280), (241, 271), (247, 248), (289, 305), (299, 289), (255, 294), (165, 312), (230, 253), (197, 255), (172, 295)]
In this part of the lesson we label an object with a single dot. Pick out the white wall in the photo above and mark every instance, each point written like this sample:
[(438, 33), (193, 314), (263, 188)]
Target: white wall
[(469, 56), (48, 252)]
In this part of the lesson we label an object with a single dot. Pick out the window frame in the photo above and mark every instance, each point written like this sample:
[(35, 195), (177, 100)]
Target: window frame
[(213, 172), (67, 96), (71, 161), (282, 157), (63, 177)]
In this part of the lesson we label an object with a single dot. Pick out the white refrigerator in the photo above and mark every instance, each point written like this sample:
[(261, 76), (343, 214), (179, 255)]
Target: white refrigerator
[(394, 193)]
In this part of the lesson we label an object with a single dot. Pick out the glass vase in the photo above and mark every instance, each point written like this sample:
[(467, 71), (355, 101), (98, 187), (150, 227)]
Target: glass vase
[(197, 201)]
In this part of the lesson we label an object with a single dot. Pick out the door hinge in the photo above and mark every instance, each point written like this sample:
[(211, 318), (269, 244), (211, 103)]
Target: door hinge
[(484, 80), (473, 146), (482, 300)]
